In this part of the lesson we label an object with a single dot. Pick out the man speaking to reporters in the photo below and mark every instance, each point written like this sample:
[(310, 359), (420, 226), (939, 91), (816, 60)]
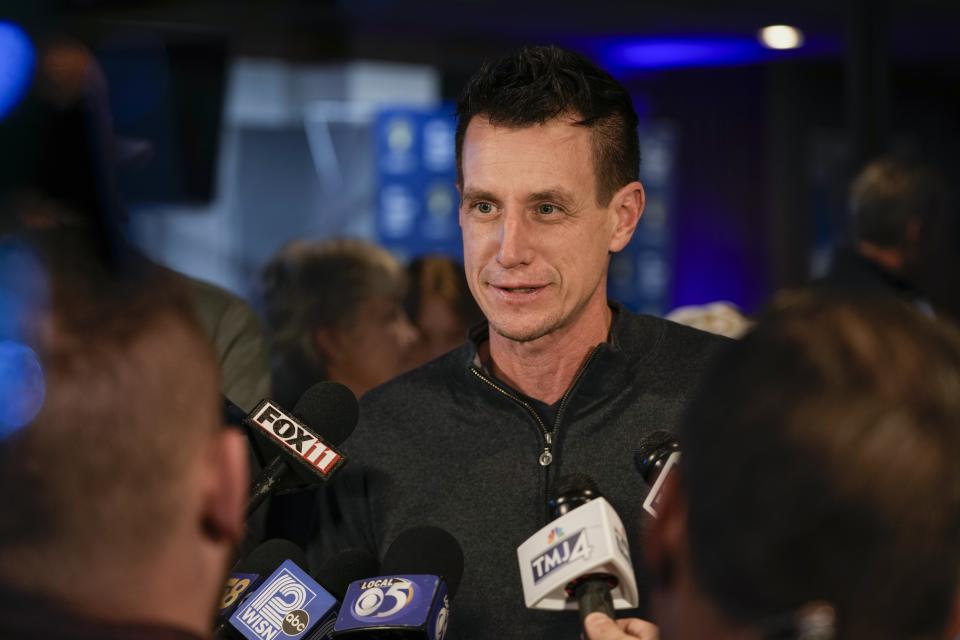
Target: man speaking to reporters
[(122, 495), (559, 380)]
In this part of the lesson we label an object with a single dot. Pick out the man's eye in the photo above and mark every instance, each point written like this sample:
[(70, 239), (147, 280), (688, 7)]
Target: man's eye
[(546, 209), (484, 207)]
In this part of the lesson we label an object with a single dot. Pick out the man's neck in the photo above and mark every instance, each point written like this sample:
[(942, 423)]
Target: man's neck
[(164, 592), (689, 615), (545, 368)]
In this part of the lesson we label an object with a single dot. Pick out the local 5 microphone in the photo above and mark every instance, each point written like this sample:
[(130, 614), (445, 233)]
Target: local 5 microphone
[(298, 447), (655, 458), (411, 597), (250, 572), (289, 603), (581, 560)]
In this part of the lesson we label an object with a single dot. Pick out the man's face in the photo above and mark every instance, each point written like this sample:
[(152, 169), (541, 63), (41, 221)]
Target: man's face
[(535, 241)]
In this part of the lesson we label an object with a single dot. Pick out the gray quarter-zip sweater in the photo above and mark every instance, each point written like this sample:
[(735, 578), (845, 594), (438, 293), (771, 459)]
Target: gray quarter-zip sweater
[(448, 445)]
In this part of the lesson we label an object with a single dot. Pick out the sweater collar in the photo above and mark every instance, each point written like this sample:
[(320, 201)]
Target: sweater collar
[(628, 332)]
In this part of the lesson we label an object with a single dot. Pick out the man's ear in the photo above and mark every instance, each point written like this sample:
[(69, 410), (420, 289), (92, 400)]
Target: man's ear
[(665, 537), (626, 206), (226, 488), (329, 343), (953, 622)]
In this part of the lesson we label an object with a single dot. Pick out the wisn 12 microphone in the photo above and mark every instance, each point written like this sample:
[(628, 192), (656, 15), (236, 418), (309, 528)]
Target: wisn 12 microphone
[(657, 455), (288, 605), (584, 547), (251, 571), (411, 598)]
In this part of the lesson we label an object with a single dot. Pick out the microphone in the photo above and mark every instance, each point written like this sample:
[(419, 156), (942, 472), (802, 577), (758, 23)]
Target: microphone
[(335, 575), (656, 456), (289, 604), (411, 598), (580, 560), (299, 448), (250, 572)]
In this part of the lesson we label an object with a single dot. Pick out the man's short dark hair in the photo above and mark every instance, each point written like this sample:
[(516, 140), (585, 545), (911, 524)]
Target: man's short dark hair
[(538, 84), (98, 474), (889, 193), (820, 464)]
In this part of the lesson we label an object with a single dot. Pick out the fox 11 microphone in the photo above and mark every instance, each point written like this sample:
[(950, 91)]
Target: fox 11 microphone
[(300, 457), (291, 604), (656, 456), (580, 560), (410, 599)]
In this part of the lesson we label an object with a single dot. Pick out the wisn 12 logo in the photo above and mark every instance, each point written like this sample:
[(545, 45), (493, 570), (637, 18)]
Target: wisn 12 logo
[(283, 607), (569, 549)]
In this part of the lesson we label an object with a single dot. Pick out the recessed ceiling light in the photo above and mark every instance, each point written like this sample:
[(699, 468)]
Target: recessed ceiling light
[(781, 36)]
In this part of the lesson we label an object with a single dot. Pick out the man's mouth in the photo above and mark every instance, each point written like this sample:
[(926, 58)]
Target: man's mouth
[(519, 289)]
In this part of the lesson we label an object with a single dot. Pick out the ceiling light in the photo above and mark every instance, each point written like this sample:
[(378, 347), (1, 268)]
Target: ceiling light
[(781, 36)]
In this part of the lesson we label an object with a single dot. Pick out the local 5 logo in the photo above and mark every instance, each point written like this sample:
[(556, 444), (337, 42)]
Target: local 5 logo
[(383, 598)]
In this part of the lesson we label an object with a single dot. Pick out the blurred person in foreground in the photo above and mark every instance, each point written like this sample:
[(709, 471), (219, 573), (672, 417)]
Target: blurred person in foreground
[(334, 312), (440, 305), (123, 495), (559, 380), (818, 493), (901, 219), (58, 169)]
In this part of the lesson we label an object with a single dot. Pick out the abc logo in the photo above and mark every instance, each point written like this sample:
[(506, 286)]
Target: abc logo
[(295, 622), (377, 603)]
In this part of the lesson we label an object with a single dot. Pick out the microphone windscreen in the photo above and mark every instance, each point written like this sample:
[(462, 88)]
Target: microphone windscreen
[(330, 409), (577, 484), (269, 555), (426, 550), (649, 448), (336, 574)]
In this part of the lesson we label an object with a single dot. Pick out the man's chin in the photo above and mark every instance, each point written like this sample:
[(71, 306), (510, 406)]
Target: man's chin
[(527, 333)]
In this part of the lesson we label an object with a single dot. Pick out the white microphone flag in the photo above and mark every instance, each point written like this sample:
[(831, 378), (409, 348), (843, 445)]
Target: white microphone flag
[(588, 539)]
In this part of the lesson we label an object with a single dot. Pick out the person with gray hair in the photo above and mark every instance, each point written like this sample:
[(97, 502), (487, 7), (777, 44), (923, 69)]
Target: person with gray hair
[(898, 210), (333, 311)]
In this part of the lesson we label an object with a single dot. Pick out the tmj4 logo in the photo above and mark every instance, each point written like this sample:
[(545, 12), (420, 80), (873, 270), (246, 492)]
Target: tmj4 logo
[(570, 549)]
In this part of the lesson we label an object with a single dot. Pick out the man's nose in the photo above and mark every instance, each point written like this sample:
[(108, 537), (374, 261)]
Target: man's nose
[(515, 241)]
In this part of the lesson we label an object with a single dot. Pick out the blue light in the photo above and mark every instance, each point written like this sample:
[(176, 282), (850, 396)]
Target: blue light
[(22, 386), (17, 58), (687, 51)]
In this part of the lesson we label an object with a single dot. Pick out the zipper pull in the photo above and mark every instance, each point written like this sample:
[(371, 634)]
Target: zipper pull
[(547, 456)]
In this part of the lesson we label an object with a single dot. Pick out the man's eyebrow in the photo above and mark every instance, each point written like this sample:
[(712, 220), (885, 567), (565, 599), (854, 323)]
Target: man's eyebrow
[(479, 194), (557, 194)]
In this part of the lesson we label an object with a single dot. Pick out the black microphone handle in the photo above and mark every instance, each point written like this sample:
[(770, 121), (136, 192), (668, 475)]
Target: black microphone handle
[(593, 594), (265, 483)]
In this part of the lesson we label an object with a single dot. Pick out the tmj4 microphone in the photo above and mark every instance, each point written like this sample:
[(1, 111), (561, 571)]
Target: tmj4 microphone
[(580, 560)]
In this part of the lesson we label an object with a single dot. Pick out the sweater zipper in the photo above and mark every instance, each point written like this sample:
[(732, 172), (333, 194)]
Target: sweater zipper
[(546, 456)]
